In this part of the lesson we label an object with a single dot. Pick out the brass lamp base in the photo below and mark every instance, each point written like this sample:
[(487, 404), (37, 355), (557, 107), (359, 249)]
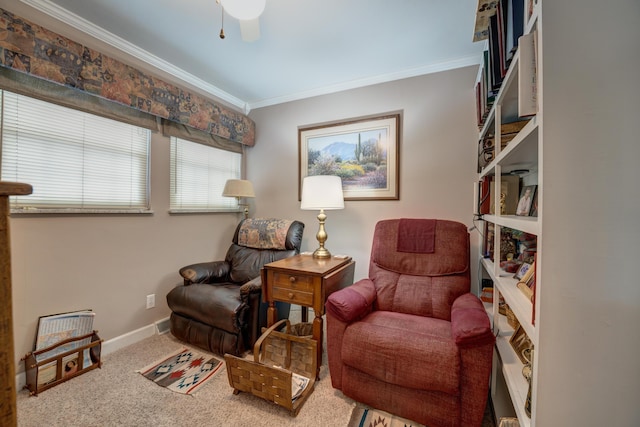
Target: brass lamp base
[(321, 252)]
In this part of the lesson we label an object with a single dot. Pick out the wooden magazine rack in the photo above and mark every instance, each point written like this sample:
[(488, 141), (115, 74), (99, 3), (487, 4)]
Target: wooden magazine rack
[(44, 372)]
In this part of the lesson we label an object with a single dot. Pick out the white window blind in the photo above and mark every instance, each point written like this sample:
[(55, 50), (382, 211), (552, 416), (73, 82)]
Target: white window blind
[(198, 175), (75, 161)]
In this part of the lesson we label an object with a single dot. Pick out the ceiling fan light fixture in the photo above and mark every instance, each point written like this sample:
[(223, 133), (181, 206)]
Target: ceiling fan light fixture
[(244, 10)]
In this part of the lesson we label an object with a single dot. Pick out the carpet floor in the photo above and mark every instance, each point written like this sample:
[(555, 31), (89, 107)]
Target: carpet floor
[(116, 395)]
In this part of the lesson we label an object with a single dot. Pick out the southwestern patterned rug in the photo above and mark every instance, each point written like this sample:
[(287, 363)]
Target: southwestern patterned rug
[(369, 417), (184, 371)]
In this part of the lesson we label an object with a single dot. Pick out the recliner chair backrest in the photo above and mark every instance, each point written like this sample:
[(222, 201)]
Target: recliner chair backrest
[(420, 266), (259, 241)]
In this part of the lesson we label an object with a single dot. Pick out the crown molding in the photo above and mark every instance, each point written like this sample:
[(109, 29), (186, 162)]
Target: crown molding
[(87, 27), (466, 61)]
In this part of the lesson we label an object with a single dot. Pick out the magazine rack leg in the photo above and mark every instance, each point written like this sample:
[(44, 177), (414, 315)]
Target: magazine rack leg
[(8, 415)]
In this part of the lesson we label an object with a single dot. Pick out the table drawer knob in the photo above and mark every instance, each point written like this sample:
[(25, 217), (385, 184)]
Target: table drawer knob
[(291, 295), (292, 279)]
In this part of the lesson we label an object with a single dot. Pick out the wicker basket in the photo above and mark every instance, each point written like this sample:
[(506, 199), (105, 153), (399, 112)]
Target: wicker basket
[(276, 357)]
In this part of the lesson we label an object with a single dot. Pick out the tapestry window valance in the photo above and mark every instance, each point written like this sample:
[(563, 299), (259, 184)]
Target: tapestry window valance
[(36, 51)]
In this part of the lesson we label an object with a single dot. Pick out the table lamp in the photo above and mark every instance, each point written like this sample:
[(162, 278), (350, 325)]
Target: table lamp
[(322, 192), (239, 188)]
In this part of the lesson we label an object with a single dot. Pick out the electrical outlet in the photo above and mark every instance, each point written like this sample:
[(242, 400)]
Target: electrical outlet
[(151, 301)]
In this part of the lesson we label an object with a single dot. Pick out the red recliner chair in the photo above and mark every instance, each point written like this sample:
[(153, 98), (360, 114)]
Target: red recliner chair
[(410, 339)]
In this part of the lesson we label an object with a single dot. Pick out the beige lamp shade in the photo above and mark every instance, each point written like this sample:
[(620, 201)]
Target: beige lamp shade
[(238, 188), (322, 192)]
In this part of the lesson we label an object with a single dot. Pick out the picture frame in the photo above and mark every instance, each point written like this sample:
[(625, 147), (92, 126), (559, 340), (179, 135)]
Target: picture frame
[(363, 152), (525, 202), (519, 342), (522, 270), (527, 282)]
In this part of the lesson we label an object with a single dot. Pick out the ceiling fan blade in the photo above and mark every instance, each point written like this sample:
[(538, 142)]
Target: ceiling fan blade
[(250, 29)]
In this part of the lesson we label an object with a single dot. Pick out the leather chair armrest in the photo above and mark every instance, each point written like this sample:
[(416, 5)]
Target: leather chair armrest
[(254, 285), (205, 272), (352, 303), (470, 326)]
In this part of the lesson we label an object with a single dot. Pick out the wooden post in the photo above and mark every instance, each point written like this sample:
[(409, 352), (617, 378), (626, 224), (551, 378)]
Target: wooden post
[(8, 414)]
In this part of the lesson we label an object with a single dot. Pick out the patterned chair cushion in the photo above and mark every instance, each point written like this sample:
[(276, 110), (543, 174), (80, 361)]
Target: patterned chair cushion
[(261, 233)]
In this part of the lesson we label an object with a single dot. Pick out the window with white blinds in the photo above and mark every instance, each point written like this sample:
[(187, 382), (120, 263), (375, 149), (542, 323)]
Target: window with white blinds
[(75, 161), (198, 175)]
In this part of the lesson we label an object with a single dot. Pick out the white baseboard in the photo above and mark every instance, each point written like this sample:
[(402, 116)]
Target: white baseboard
[(116, 343)]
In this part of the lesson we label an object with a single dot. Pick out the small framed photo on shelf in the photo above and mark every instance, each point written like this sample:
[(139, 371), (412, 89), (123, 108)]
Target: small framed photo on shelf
[(522, 271), (526, 200), (527, 281)]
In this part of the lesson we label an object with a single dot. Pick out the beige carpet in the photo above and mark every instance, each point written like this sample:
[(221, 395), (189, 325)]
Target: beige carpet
[(116, 395)]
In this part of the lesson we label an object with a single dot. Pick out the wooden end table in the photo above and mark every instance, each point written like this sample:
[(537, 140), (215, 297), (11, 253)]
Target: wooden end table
[(306, 281)]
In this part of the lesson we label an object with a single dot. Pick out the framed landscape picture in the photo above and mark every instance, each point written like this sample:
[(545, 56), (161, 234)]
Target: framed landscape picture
[(362, 152)]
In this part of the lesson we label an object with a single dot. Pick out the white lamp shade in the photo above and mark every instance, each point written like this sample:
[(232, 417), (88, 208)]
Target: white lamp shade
[(238, 188), (322, 192), (244, 10)]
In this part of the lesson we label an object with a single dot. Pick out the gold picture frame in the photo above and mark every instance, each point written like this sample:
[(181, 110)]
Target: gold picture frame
[(519, 342), (363, 152)]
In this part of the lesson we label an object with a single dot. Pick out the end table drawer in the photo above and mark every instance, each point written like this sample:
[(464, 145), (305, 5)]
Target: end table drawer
[(292, 296), (296, 282)]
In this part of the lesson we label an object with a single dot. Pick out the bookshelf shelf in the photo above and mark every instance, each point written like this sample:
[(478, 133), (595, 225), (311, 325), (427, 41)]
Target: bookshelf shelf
[(513, 97)]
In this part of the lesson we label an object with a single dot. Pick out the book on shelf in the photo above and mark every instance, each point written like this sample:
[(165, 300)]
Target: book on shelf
[(494, 54), (517, 18), (528, 76), (485, 184), (484, 11), (501, 8)]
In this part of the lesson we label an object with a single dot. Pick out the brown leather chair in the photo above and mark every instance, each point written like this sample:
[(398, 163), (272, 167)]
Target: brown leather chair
[(219, 306), (410, 339)]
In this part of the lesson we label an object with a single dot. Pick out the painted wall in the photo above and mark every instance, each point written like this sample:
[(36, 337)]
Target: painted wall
[(588, 371), (437, 158), (109, 263)]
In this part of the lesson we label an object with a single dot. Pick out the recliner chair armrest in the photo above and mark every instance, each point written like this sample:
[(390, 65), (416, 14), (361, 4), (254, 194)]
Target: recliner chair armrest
[(205, 272), (352, 303), (470, 326), (253, 285)]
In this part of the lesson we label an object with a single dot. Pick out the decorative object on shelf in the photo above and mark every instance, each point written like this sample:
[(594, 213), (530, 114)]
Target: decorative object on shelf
[(363, 152), (508, 247), (534, 205), (322, 192), (487, 295), (526, 200), (527, 373), (512, 320), (520, 342), (239, 188), (486, 146), (509, 190)]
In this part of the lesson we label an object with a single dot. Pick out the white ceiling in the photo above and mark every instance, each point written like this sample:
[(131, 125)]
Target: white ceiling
[(306, 48)]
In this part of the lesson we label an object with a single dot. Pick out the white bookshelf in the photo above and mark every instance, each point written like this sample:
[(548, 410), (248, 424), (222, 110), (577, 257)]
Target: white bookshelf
[(523, 154)]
